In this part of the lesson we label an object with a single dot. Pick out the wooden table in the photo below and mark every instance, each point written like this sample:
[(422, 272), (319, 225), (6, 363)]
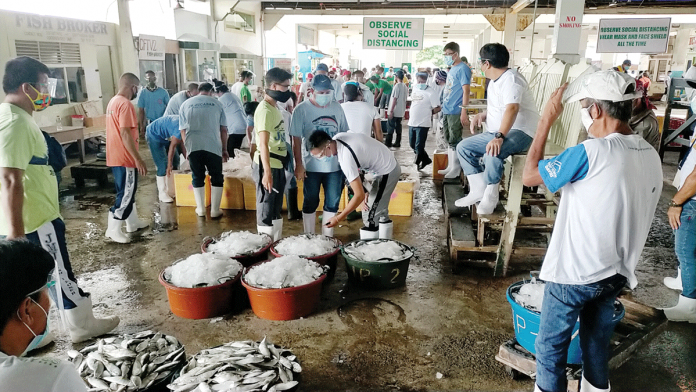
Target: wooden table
[(69, 135)]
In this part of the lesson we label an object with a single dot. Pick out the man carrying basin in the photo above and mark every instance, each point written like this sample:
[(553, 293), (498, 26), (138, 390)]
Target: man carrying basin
[(611, 185), (357, 152)]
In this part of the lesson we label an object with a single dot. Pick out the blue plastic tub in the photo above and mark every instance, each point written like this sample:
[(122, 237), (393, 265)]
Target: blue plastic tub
[(526, 325)]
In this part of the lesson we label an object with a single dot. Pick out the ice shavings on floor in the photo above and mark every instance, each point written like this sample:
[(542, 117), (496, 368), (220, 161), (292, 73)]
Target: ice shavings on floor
[(284, 271), (200, 270), (238, 243), (378, 251), (530, 295), (307, 245)]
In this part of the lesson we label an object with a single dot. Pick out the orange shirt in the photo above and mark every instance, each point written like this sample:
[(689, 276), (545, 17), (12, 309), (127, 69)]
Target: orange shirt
[(120, 113)]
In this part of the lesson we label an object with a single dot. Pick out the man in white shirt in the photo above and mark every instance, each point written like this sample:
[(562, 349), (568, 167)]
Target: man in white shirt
[(356, 153), (511, 117), (610, 185), (305, 87), (24, 305), (424, 103), (244, 80), (396, 110), (178, 99), (361, 116), (359, 77)]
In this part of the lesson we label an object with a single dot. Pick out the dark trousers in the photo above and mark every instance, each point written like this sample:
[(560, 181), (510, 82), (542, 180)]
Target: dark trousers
[(234, 142), (201, 161), (126, 181), (416, 139), (394, 124), (268, 204)]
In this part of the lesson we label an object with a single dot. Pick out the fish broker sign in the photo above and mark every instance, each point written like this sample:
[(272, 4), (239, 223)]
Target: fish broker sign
[(393, 33), (648, 35)]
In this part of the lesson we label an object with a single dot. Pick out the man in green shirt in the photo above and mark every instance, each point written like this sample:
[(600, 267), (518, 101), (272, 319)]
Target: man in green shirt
[(271, 156), (29, 191), (382, 91)]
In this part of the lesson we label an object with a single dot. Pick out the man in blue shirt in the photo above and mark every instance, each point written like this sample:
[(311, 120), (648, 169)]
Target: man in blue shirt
[(152, 102), (455, 94), (164, 137)]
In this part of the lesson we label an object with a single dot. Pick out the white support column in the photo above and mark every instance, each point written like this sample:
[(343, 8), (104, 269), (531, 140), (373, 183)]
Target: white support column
[(129, 56), (607, 60), (486, 36), (510, 34), (681, 46), (567, 30), (584, 37), (547, 46)]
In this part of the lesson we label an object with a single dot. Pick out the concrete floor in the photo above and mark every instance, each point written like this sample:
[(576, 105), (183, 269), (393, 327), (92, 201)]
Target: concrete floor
[(359, 341)]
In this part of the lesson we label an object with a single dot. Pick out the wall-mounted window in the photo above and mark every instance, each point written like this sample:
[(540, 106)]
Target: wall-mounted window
[(239, 21)]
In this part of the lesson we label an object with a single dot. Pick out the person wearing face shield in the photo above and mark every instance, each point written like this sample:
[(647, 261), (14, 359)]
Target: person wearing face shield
[(29, 192), (424, 103), (271, 155), (320, 113), (455, 94), (511, 117), (358, 153), (643, 119), (610, 188), (25, 275)]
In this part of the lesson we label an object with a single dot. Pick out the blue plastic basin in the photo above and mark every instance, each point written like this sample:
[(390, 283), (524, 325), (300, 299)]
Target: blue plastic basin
[(526, 325)]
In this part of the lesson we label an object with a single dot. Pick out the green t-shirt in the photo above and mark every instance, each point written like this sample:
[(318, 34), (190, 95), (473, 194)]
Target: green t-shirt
[(370, 86), (386, 86), (268, 118), (20, 140), (245, 94)]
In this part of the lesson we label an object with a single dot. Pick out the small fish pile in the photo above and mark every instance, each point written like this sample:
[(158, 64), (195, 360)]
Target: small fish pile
[(242, 366), (283, 272), (128, 362), (201, 270), (306, 245), (378, 251), (238, 243)]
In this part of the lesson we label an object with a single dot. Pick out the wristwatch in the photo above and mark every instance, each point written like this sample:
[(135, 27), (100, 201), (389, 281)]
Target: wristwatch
[(499, 135), (672, 203)]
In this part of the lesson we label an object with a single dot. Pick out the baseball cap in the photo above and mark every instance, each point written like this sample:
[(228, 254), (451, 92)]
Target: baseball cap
[(607, 85), (321, 67), (322, 83), (345, 72)]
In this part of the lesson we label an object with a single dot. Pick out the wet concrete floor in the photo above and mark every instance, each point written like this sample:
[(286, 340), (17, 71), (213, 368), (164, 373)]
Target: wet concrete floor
[(440, 322)]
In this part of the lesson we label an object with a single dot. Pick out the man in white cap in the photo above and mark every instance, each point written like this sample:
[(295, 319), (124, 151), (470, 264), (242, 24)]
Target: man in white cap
[(611, 185)]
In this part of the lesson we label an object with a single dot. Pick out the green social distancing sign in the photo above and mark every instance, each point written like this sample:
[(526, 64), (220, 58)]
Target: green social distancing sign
[(645, 35), (393, 33)]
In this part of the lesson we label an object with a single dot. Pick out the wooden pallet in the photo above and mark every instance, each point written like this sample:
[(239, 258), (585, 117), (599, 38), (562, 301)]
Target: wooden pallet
[(639, 326), (96, 170)]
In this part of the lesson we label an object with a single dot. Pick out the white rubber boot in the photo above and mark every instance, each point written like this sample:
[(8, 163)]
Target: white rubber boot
[(114, 232), (134, 223), (450, 158), (162, 190), (367, 233), (684, 311), (674, 283), (277, 229), (325, 217), (585, 386), (489, 200), (309, 221), (84, 326), (456, 167), (199, 195), (215, 200), (386, 229), (265, 230), (477, 185)]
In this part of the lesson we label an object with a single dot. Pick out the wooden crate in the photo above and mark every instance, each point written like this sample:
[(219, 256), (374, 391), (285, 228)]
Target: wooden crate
[(232, 194), (440, 161), (184, 190)]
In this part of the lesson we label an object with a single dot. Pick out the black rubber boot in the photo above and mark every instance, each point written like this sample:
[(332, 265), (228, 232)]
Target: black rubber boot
[(293, 212)]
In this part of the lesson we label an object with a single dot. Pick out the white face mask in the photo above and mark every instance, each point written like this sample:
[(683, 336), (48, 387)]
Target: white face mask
[(586, 119)]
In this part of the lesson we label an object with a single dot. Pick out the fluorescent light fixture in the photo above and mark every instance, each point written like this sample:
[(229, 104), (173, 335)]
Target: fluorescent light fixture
[(520, 5)]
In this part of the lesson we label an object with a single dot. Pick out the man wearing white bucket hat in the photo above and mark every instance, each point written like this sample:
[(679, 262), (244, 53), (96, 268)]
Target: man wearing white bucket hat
[(611, 185)]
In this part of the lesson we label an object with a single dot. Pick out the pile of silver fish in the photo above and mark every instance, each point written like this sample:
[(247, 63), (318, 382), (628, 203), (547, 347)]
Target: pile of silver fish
[(242, 366), (128, 362)]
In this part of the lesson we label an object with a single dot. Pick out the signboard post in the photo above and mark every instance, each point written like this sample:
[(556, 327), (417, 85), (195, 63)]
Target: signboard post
[(393, 33), (646, 35), (150, 47)]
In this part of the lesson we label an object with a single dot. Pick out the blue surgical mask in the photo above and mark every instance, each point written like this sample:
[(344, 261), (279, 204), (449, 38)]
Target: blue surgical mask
[(323, 99), (449, 61), (37, 338), (422, 86)]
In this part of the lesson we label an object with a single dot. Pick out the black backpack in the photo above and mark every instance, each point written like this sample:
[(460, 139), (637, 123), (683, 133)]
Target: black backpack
[(56, 154)]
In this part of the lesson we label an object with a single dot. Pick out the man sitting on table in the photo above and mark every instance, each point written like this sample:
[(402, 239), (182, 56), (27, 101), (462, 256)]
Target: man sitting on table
[(511, 117), (24, 304), (357, 152)]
